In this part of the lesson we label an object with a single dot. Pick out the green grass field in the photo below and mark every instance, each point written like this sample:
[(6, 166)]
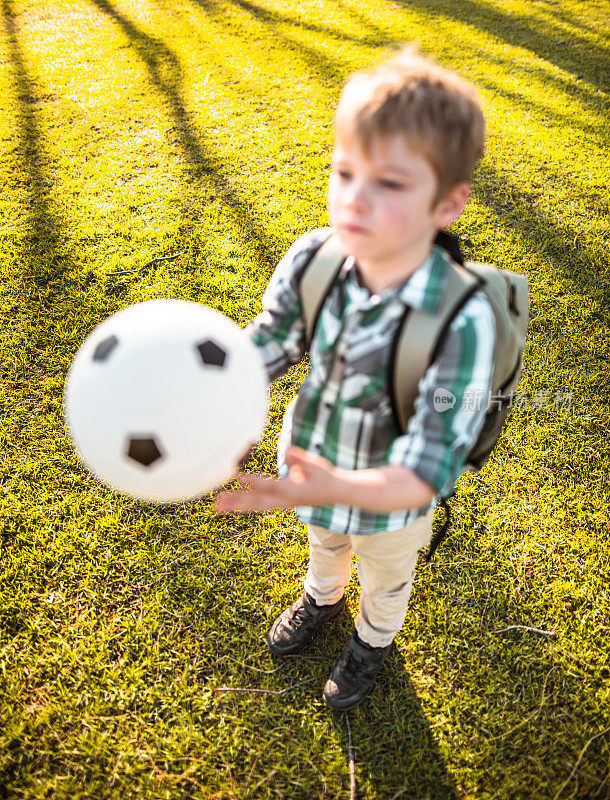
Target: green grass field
[(132, 129)]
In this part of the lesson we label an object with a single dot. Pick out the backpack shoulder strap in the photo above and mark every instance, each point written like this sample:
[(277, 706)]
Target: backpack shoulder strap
[(316, 281), (419, 338)]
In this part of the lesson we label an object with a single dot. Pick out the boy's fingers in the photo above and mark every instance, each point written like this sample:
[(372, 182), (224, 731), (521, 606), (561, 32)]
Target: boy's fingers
[(255, 493), (247, 501), (223, 503), (247, 481), (306, 462), (235, 501), (297, 473), (296, 455)]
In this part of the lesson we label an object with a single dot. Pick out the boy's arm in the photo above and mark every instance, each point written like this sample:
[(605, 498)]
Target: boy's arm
[(279, 331), (314, 481)]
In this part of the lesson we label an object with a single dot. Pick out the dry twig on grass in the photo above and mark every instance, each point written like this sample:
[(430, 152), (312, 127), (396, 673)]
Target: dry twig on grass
[(548, 634), (350, 759), (148, 264)]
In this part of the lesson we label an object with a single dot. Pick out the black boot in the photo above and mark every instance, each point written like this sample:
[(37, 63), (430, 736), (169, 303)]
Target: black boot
[(299, 623), (354, 674)]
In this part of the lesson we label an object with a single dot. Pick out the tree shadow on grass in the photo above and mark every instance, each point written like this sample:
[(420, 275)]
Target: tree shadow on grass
[(496, 23), (166, 76), (51, 284), (556, 10), (272, 17), (43, 222), (52, 302), (596, 132), (318, 63), (500, 24), (580, 266), (165, 73), (548, 41), (44, 284), (374, 36), (503, 83)]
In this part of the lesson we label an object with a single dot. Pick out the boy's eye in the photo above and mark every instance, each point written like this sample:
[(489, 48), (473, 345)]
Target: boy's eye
[(343, 174), (388, 184)]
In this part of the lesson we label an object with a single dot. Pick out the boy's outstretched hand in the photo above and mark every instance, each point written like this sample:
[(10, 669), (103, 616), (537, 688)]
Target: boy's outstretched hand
[(314, 481), (311, 481)]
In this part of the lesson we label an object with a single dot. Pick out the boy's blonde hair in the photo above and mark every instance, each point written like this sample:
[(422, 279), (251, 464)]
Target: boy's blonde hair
[(437, 112)]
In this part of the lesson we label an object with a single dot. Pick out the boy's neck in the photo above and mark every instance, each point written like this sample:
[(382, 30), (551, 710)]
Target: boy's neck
[(377, 276)]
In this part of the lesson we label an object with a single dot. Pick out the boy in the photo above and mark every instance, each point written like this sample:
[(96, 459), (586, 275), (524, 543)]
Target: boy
[(407, 137)]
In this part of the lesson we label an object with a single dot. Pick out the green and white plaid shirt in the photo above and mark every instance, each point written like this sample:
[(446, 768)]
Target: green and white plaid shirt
[(343, 410)]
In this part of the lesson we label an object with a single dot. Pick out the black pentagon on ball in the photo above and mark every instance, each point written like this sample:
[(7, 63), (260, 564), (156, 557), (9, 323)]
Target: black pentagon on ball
[(212, 354), (104, 348), (144, 450)]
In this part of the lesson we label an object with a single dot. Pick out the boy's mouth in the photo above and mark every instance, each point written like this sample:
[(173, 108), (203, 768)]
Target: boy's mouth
[(352, 227)]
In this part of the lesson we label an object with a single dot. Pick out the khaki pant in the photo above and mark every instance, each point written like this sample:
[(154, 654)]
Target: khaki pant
[(385, 570)]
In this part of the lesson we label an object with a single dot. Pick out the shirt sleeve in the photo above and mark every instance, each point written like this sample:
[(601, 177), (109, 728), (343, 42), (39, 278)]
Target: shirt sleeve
[(279, 331), (452, 401)]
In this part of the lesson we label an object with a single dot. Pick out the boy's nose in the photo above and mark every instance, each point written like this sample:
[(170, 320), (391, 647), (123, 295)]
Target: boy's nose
[(357, 196)]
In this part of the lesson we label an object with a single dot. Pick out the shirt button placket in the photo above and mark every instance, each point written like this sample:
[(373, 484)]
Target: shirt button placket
[(335, 379)]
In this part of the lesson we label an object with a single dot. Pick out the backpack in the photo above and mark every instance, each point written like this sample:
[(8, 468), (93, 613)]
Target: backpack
[(420, 335)]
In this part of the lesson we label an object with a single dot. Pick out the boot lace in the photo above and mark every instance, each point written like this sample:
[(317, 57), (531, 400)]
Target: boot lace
[(356, 666), (301, 616)]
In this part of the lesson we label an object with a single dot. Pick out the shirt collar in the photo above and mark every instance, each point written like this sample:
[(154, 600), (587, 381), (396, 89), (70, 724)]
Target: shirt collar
[(423, 289)]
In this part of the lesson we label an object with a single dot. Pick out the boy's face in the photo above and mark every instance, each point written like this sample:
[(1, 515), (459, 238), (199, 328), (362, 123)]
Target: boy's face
[(383, 203)]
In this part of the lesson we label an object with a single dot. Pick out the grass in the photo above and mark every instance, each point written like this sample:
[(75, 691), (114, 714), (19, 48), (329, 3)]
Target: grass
[(131, 130)]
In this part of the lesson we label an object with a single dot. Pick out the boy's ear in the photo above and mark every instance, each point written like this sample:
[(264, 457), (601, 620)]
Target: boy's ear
[(451, 205)]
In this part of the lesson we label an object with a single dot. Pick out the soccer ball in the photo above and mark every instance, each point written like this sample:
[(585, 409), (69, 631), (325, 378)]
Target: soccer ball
[(164, 398)]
